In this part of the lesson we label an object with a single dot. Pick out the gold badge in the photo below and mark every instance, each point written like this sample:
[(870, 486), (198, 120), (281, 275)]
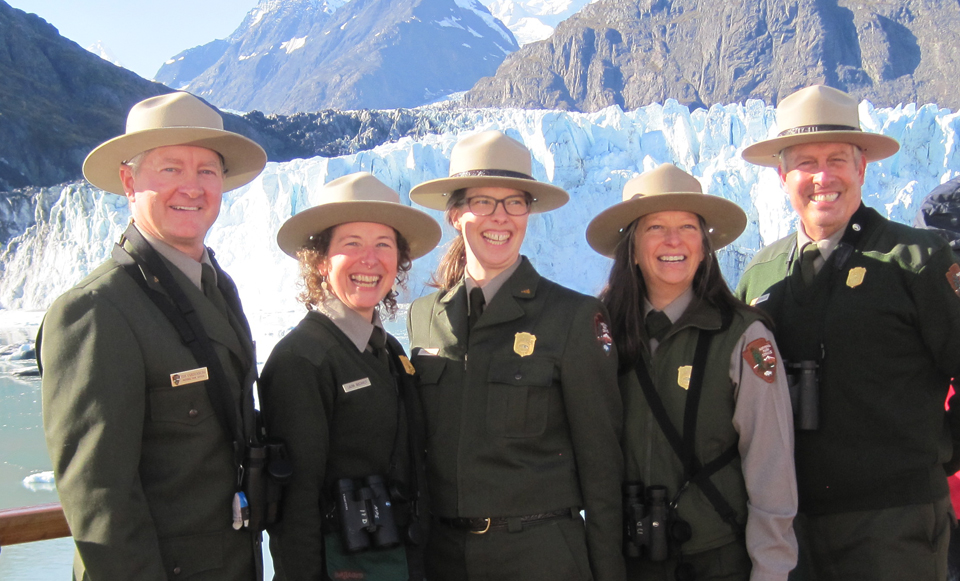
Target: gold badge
[(525, 291), (407, 366), (523, 344), (855, 276), (683, 376)]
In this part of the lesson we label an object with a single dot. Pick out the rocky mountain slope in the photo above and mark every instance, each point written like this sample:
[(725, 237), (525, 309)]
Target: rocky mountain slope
[(56, 101), (700, 52), (305, 55)]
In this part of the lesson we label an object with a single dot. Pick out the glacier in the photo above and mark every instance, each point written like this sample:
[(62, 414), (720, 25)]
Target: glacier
[(57, 235)]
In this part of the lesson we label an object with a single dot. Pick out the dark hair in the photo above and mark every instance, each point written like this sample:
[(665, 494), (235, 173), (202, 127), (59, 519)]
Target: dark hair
[(313, 283), (453, 264), (625, 291)]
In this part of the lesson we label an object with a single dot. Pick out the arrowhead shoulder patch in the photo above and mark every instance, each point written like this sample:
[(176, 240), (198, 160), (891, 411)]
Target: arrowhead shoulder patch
[(762, 359), (602, 331), (953, 277)]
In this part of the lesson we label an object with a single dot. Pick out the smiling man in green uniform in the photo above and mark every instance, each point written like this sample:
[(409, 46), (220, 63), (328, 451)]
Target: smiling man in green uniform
[(146, 434), (874, 307)]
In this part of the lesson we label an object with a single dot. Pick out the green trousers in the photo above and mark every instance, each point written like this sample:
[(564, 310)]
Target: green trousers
[(903, 543)]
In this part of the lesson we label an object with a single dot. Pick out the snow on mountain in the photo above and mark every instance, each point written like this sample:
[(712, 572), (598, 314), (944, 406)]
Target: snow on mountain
[(101, 50), (73, 228), (533, 20)]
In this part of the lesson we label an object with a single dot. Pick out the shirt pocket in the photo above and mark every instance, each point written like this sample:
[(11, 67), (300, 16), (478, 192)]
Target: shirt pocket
[(189, 555), (429, 371), (519, 394), (185, 404)]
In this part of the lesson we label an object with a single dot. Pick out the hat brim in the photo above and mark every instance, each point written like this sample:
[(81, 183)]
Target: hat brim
[(243, 158), (874, 145), (435, 193), (420, 230), (725, 220)]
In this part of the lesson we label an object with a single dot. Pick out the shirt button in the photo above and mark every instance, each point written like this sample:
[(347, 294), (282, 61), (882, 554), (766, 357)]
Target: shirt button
[(518, 376), (193, 413), (176, 570)]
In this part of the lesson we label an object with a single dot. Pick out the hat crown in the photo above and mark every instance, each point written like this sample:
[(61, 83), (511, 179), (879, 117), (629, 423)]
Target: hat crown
[(177, 109), (666, 179), (818, 105), (490, 150), (358, 187)]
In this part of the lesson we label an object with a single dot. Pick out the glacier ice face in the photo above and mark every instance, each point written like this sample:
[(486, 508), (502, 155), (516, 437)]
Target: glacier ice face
[(589, 155)]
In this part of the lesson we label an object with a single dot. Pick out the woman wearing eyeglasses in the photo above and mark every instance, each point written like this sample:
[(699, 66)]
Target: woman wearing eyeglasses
[(518, 380)]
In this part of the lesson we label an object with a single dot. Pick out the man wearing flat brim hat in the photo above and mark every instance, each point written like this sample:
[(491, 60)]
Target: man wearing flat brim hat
[(869, 310), (148, 364), (518, 383)]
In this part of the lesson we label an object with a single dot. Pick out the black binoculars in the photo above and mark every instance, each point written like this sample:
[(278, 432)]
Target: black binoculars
[(366, 514), (804, 383), (651, 523)]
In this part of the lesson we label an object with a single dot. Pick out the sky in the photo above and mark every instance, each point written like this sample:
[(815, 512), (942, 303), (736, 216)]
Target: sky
[(141, 34)]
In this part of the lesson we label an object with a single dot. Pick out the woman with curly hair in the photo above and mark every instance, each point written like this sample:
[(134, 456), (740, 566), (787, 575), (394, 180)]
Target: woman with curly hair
[(338, 390)]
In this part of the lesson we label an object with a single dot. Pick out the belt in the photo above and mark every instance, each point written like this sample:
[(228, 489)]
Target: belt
[(479, 526)]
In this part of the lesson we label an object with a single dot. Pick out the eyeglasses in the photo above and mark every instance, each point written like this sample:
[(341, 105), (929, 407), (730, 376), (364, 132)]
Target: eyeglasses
[(485, 205)]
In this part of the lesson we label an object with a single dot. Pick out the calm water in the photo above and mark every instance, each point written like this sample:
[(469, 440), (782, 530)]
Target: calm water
[(23, 451)]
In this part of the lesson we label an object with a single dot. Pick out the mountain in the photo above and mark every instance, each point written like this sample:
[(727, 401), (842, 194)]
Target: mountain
[(533, 20), (57, 101), (700, 52), (305, 55)]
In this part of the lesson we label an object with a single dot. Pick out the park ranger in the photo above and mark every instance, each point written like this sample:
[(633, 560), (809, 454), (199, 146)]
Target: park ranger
[(148, 364), (867, 315), (707, 424), (519, 388)]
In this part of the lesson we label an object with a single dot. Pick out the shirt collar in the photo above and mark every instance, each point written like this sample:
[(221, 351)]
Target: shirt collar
[(494, 284), (826, 246), (350, 323), (187, 265), (675, 309)]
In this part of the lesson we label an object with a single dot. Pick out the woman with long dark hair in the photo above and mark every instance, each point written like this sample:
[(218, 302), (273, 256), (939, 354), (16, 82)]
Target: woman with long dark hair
[(708, 429), (518, 382), (338, 391)]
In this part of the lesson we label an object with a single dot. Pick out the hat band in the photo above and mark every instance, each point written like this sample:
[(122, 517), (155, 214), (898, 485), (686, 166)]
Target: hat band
[(815, 129), (492, 173)]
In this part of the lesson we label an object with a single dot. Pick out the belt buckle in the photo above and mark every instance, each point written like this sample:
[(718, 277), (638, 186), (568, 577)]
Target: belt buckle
[(484, 531)]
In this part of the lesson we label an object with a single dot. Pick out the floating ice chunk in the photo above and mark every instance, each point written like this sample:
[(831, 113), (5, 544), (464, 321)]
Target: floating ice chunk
[(40, 482)]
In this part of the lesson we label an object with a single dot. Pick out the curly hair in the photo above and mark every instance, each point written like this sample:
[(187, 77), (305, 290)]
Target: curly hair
[(314, 289)]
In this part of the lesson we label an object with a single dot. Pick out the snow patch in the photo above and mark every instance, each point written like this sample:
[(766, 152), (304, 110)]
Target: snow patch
[(293, 44)]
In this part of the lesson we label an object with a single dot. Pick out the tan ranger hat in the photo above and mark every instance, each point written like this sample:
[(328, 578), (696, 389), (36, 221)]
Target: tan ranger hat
[(489, 158), (666, 188), (360, 197), (819, 114), (174, 119)]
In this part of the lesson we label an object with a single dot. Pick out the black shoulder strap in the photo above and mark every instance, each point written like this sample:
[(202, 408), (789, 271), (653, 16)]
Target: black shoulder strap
[(181, 314), (684, 447), (407, 396)]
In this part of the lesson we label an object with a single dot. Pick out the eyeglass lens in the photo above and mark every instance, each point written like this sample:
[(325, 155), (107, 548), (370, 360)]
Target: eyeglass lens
[(485, 205)]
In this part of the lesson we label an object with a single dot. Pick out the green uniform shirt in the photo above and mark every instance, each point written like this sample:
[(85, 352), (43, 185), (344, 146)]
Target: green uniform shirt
[(337, 409), (144, 469), (523, 415), (744, 403), (885, 326)]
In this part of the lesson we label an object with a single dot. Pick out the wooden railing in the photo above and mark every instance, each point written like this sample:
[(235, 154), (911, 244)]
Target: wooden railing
[(32, 523)]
